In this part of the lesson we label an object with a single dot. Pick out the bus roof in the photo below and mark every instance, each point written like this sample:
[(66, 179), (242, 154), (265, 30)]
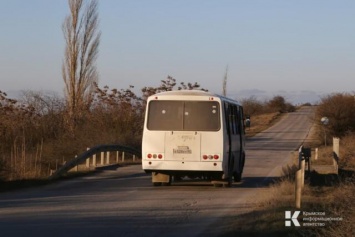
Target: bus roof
[(194, 93), (185, 92)]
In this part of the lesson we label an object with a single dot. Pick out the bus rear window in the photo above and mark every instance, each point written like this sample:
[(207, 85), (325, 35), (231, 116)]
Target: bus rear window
[(183, 116)]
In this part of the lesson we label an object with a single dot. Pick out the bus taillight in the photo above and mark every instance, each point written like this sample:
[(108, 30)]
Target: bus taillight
[(210, 157), (154, 156)]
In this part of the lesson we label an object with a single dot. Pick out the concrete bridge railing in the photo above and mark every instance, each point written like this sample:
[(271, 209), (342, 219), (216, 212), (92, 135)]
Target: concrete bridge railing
[(92, 152)]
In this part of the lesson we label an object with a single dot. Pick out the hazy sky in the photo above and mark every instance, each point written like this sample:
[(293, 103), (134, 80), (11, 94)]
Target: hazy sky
[(269, 45)]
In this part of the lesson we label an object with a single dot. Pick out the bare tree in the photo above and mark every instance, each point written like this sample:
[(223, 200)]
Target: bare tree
[(82, 38), (225, 78)]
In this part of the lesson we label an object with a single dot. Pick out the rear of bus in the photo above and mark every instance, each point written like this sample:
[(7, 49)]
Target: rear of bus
[(183, 134)]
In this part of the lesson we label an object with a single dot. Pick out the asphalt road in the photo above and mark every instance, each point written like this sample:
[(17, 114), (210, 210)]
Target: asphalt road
[(123, 202)]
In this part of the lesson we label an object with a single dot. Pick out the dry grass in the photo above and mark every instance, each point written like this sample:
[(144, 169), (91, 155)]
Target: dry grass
[(335, 202), (329, 193), (268, 216), (347, 152), (261, 122), (325, 156)]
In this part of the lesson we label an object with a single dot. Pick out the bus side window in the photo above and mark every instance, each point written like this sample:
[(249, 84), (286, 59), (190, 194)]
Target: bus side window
[(227, 117), (237, 120), (231, 119)]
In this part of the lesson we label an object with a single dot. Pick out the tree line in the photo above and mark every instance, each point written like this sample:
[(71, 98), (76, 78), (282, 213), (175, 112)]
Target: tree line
[(35, 133)]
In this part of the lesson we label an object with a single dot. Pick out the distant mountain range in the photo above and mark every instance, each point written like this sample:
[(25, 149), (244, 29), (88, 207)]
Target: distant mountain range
[(293, 97)]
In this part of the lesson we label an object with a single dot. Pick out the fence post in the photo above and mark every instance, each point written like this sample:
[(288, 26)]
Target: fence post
[(94, 160), (123, 156), (102, 157), (316, 155), (77, 166), (107, 157), (335, 152), (88, 160), (117, 154), (134, 158), (298, 188)]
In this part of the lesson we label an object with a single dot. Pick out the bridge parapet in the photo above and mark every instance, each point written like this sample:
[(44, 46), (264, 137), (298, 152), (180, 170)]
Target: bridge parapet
[(92, 152)]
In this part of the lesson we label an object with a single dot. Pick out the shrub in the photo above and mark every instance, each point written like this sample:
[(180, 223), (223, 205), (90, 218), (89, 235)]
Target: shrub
[(347, 151), (279, 104), (339, 108), (252, 106)]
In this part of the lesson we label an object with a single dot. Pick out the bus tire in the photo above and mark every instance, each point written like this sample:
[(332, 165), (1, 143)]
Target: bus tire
[(227, 185), (237, 177)]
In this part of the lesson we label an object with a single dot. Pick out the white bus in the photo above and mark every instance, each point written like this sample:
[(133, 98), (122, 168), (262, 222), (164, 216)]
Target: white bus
[(195, 134)]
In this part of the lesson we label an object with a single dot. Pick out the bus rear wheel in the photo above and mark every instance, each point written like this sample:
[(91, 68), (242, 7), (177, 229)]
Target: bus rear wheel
[(237, 177)]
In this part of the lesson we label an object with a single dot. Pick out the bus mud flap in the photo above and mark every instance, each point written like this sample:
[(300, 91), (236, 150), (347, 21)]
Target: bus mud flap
[(160, 178)]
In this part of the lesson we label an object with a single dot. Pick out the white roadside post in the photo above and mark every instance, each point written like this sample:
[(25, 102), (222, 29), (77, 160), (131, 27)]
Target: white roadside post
[(336, 142), (298, 188), (299, 176)]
